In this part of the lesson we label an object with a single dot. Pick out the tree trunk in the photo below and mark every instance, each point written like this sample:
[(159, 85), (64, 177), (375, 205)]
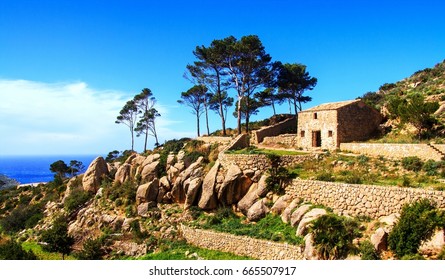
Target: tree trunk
[(146, 138), (207, 119), (132, 139), (223, 120), (197, 124), (239, 115)]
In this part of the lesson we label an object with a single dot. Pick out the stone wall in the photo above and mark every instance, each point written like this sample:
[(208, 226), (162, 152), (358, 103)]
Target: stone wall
[(215, 139), (394, 151), (361, 200), (259, 162), (241, 245), (283, 141), (285, 126)]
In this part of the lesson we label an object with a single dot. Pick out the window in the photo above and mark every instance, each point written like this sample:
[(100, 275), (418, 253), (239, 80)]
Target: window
[(302, 133), (330, 133), (315, 116)]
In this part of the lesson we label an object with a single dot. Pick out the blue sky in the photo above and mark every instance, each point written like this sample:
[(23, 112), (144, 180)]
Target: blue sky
[(67, 67)]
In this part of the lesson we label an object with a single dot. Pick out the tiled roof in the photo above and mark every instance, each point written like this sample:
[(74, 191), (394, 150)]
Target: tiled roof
[(331, 106)]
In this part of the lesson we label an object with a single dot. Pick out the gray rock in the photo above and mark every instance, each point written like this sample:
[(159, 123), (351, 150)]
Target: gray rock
[(150, 171), (94, 175), (285, 216), (255, 192), (123, 173), (310, 253), (192, 192), (434, 245), (380, 239), (144, 208), (258, 211), (208, 200), (308, 218), (147, 192), (297, 215), (280, 204)]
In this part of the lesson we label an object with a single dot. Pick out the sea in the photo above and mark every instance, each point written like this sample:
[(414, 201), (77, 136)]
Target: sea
[(35, 169)]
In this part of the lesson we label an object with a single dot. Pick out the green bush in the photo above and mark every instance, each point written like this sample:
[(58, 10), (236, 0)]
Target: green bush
[(417, 223), (57, 238), (92, 249), (325, 176), (368, 252), (334, 235), (432, 167), (412, 163), (77, 198), (21, 218), (12, 250)]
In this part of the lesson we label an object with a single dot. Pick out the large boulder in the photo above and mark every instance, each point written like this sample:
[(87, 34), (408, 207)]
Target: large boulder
[(434, 245), (297, 215), (258, 211), (280, 204), (147, 192), (73, 185), (308, 218), (380, 239), (97, 170), (256, 191), (195, 170), (285, 216), (150, 171), (234, 186), (123, 173), (310, 253), (192, 192), (208, 200)]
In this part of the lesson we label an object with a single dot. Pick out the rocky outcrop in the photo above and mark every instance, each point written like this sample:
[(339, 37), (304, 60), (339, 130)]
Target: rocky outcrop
[(285, 216), (434, 245), (380, 240), (258, 211), (180, 186), (234, 187), (281, 204), (256, 191), (192, 192), (297, 215), (308, 218), (73, 185), (94, 175), (310, 253), (208, 200), (123, 173), (147, 192)]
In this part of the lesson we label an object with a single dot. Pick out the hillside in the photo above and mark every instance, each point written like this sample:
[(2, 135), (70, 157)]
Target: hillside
[(424, 91), (429, 82)]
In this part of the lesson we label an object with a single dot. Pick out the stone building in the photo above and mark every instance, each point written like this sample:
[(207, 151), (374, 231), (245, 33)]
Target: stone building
[(327, 125)]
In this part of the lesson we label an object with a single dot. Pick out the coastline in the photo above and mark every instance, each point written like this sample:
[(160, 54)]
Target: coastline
[(33, 185)]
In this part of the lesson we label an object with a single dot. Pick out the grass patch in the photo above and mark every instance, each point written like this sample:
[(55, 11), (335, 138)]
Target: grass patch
[(256, 151), (269, 228), (180, 250), (41, 254)]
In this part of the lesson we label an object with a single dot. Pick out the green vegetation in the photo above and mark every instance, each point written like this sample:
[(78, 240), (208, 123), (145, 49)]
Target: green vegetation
[(77, 198), (337, 167), (334, 235), (270, 228), (279, 175), (57, 238), (24, 216), (417, 223), (11, 250), (92, 249), (368, 252), (252, 150), (41, 254), (180, 250)]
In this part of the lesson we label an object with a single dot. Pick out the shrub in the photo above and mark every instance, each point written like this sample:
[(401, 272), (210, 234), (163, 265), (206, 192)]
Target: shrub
[(325, 176), (21, 218), (417, 223), (77, 198), (12, 250), (431, 167), (57, 238), (92, 249), (368, 252), (278, 175), (412, 163), (334, 235)]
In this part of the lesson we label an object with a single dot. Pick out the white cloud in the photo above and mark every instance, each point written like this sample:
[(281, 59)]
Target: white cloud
[(64, 118)]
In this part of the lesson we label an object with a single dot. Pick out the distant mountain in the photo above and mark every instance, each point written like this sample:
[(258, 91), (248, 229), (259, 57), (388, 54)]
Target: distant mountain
[(6, 182)]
